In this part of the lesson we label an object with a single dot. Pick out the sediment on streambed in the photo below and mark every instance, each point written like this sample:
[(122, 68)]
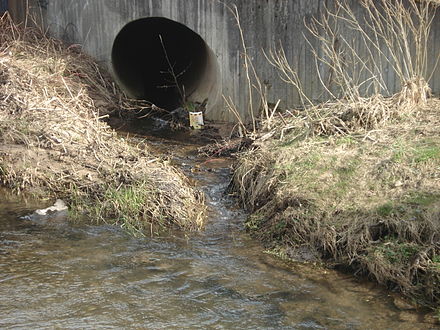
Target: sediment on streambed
[(353, 185), (53, 141)]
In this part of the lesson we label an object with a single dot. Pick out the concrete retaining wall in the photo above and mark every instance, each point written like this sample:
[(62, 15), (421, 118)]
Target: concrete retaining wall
[(96, 23)]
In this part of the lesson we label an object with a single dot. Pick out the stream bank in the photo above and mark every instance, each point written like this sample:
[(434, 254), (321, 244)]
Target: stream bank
[(331, 185), (55, 144), (62, 274)]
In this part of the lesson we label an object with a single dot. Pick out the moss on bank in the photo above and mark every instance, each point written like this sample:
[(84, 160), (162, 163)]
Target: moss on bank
[(367, 199), (53, 141)]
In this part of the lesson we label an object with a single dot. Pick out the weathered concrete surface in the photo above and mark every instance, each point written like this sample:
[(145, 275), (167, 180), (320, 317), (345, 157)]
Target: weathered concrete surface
[(3, 6), (95, 24)]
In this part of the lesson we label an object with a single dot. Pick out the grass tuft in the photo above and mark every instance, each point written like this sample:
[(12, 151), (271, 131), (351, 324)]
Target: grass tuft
[(54, 142), (369, 200)]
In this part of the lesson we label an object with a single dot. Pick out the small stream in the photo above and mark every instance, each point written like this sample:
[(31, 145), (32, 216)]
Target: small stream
[(62, 275)]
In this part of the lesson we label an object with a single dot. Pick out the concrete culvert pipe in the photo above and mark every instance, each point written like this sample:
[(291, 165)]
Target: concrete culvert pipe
[(150, 54)]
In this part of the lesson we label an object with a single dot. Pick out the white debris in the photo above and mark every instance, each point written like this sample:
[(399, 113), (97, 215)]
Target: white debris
[(57, 207)]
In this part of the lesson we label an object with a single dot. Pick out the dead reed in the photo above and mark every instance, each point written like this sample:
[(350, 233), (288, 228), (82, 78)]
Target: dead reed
[(355, 180), (53, 140), (368, 201)]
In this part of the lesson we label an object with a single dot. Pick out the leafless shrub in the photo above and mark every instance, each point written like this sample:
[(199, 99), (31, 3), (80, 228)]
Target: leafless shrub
[(355, 179), (256, 91), (390, 34), (393, 33)]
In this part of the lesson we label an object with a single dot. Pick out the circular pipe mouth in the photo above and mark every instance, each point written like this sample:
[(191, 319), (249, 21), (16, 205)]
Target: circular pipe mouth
[(164, 62)]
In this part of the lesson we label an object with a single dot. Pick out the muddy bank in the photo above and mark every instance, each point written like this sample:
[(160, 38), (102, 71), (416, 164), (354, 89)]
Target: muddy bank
[(367, 200), (53, 141)]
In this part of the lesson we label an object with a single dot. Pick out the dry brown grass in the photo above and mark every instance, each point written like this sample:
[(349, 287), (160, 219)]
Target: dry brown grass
[(355, 180), (350, 116), (395, 35), (361, 190), (53, 141)]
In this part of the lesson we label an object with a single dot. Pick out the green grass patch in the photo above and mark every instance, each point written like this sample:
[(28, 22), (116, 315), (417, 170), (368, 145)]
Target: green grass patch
[(254, 221), (422, 199), (346, 140), (436, 263), (413, 205), (346, 174), (400, 151), (385, 210), (426, 153), (395, 252), (416, 152), (134, 208)]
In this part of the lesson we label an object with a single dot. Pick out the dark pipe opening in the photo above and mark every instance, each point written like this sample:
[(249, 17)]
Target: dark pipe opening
[(139, 58)]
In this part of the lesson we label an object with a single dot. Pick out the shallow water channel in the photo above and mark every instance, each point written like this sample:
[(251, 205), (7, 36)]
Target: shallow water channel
[(61, 275)]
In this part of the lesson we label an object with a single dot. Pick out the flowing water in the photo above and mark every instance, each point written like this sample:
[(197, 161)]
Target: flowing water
[(55, 274)]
